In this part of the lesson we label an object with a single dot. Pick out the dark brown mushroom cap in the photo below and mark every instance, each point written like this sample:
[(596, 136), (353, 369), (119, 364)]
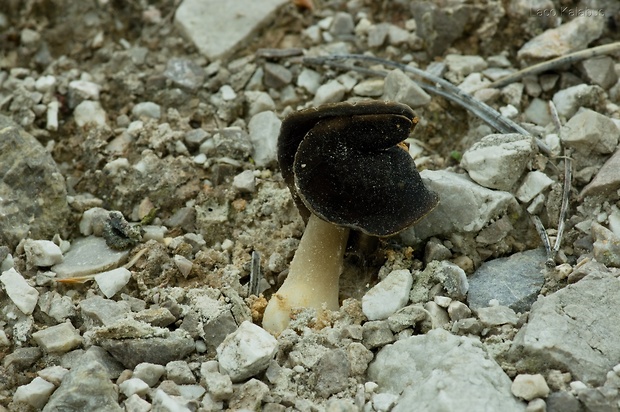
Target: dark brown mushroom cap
[(342, 162)]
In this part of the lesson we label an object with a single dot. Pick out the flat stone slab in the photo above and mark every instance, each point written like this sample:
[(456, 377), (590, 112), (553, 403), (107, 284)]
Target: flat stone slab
[(514, 281), (87, 256), (217, 28), (575, 329)]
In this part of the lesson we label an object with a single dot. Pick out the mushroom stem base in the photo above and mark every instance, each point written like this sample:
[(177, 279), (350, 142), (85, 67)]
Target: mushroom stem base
[(313, 276)]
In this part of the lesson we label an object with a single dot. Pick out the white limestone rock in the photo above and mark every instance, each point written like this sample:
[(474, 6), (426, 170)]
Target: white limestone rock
[(112, 281), (441, 371), (42, 253), (497, 161), (35, 394), (60, 338), (23, 295), (387, 296), (246, 352)]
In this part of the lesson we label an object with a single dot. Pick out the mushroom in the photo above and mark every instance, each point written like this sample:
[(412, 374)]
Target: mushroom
[(347, 169)]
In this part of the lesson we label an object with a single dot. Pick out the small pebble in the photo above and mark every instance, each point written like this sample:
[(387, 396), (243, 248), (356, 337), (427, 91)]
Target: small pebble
[(35, 394), (387, 296), (147, 109), (112, 281), (133, 386), (246, 352), (330, 92), (60, 338), (89, 112), (529, 387), (42, 253), (23, 295)]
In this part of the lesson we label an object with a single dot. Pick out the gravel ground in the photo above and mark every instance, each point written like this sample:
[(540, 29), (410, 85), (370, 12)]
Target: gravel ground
[(145, 223)]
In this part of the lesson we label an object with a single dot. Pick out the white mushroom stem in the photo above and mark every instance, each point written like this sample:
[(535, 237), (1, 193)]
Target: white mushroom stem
[(312, 281)]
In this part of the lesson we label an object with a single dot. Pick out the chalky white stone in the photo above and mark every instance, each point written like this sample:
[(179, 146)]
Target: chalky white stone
[(60, 338), (112, 281), (20, 292), (35, 394), (387, 296), (529, 387), (42, 253), (246, 352)]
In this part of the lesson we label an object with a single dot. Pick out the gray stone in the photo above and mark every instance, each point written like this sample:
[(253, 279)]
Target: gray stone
[(244, 182), (156, 316), (264, 128), (179, 372), (330, 92), (401, 88), (538, 112), (147, 109), (563, 401), (376, 333), (606, 246), (440, 25), (513, 281), (185, 74), (387, 296), (97, 311), (377, 34), (218, 29), (607, 180), (359, 357), (497, 315), (342, 24), (460, 66), (497, 161), (450, 216), (22, 358), (27, 172), (86, 387), (407, 317), (589, 132), (246, 352), (309, 80), (451, 277), (427, 371), (599, 70), (332, 372), (567, 101), (161, 350), (230, 142), (276, 76), (566, 38), (555, 337), (458, 311), (369, 88), (218, 385), (249, 396), (149, 372), (58, 307), (88, 256), (58, 339)]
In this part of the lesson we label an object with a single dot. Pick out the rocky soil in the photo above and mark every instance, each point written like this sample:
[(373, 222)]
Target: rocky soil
[(144, 222)]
